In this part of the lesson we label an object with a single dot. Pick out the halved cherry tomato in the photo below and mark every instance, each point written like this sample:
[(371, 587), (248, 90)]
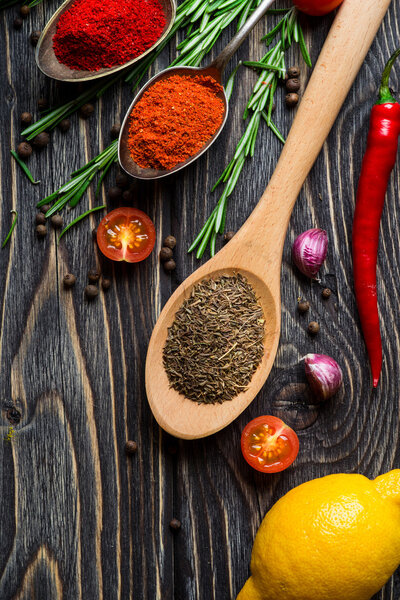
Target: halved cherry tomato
[(126, 234), (269, 445), (317, 7)]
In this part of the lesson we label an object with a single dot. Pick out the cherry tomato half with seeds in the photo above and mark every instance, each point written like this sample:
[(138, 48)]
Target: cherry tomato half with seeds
[(317, 8), (269, 445), (127, 234)]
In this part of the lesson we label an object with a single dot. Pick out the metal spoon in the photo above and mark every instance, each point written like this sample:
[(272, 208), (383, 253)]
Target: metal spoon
[(47, 61), (215, 70)]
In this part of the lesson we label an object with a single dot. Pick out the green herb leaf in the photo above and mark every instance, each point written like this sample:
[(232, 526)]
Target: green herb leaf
[(24, 167), (9, 234), (83, 216)]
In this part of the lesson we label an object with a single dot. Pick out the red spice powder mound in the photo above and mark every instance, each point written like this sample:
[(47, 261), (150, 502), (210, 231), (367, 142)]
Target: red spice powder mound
[(92, 35), (174, 119)]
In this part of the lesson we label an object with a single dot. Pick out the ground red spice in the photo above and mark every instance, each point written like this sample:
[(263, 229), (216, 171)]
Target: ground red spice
[(174, 119), (92, 35)]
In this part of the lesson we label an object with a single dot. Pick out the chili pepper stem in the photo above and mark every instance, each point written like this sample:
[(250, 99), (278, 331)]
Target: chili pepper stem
[(385, 94)]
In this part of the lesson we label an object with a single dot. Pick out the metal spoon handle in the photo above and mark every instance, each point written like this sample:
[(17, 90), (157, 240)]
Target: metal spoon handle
[(224, 57)]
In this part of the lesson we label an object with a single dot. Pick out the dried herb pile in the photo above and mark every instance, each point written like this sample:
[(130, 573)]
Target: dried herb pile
[(216, 341)]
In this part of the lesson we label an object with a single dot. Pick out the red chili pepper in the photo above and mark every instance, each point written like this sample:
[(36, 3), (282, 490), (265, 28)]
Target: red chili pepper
[(377, 165)]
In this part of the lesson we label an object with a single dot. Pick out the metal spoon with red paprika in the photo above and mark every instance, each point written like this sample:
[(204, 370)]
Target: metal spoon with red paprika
[(203, 75), (377, 165)]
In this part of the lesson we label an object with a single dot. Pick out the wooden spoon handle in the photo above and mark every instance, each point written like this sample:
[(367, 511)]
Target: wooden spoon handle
[(342, 55)]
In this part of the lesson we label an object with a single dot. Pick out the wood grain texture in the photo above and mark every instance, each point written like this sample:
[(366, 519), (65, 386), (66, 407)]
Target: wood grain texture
[(78, 518)]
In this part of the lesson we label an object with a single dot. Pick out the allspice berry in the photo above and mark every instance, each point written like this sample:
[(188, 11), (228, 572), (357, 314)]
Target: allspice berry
[(41, 140), (24, 150), (64, 125), (105, 283), (86, 110), (313, 327), (17, 23), (91, 291), (34, 37), (170, 242), (293, 85), (114, 131), (293, 72), (131, 447), (170, 265), (93, 275), (326, 293), (24, 11), (165, 253), (43, 103), (127, 196), (41, 231), (45, 208), (122, 180), (115, 193), (57, 221), (26, 118), (291, 99), (175, 524), (228, 236), (303, 306), (40, 219), (69, 280)]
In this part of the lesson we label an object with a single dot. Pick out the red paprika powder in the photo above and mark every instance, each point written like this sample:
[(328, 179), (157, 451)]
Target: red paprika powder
[(92, 35), (174, 119)]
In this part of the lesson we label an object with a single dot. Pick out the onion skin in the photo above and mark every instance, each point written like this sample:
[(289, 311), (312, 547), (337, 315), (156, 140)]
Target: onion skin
[(309, 251), (323, 374)]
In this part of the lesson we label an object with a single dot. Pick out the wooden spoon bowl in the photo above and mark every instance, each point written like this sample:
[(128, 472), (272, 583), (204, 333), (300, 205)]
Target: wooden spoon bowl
[(48, 63), (256, 250)]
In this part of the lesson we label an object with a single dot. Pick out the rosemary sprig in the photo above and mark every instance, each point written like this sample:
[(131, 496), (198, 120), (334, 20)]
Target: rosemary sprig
[(24, 167), (13, 224), (79, 218), (272, 68)]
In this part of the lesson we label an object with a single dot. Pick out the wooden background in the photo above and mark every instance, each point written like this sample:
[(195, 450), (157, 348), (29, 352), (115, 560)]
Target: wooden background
[(79, 519)]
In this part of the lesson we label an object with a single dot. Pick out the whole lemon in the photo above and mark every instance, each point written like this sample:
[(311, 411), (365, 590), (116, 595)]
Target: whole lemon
[(333, 538)]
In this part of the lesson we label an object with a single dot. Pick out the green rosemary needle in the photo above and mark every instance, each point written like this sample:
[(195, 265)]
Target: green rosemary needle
[(79, 218), (24, 167), (13, 224)]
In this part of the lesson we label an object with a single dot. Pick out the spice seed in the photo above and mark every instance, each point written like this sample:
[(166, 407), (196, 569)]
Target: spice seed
[(93, 276), (127, 196), (45, 208), (43, 103), (170, 242), (41, 231), (34, 37), (175, 524), (26, 118), (216, 341), (17, 23), (313, 327), (69, 280), (291, 99), (24, 11), (105, 283), (115, 193), (293, 85), (41, 140), (326, 293), (91, 291), (64, 125), (57, 221), (166, 253), (169, 265), (228, 236), (131, 447), (40, 219), (86, 110), (24, 150), (303, 306), (293, 72)]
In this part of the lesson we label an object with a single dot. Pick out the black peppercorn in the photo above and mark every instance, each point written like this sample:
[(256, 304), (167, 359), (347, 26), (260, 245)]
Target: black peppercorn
[(41, 140), (64, 125), (165, 253), (130, 447), (105, 283), (313, 327), (42, 103), (24, 150), (175, 524), (86, 110), (170, 242), (122, 180), (291, 99), (69, 280), (34, 37), (293, 72), (326, 293), (17, 23), (26, 118), (115, 193), (170, 265), (303, 306), (45, 208), (57, 221), (114, 131), (127, 196), (40, 219), (91, 291), (293, 85), (228, 236), (24, 11), (93, 276), (41, 230)]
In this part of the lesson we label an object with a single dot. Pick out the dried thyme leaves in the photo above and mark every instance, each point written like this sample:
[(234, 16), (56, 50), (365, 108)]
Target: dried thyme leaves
[(216, 341)]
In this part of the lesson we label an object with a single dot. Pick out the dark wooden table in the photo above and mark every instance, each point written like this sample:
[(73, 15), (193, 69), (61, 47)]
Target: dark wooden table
[(80, 519)]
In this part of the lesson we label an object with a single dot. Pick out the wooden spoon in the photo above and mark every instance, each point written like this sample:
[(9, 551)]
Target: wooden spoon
[(256, 250), (48, 63)]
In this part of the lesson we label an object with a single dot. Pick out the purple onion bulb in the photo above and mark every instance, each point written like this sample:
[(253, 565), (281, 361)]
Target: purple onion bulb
[(324, 375), (309, 251)]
